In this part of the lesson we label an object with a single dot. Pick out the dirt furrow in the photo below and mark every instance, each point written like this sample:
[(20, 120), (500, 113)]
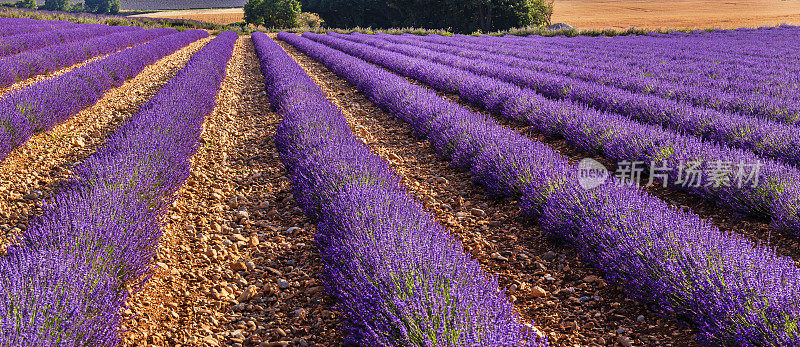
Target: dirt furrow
[(564, 298), (237, 263), (33, 172)]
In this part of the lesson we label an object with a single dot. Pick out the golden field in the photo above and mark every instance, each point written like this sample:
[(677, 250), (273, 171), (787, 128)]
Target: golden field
[(675, 14), (216, 16)]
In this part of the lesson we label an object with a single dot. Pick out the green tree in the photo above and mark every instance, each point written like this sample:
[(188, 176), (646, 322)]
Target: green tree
[(31, 4), (542, 12), (114, 7), (464, 16), (272, 13), (102, 6), (77, 8), (57, 5)]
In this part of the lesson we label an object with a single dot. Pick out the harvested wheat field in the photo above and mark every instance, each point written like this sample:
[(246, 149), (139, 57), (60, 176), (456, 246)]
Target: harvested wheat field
[(678, 14), (217, 16)]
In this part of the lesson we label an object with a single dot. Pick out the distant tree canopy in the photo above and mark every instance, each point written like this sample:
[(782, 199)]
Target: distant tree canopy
[(272, 13), (57, 5), (464, 16), (102, 6), (31, 4)]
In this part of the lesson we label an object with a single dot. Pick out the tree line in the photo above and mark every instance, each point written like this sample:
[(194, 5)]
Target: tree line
[(463, 16), (92, 6)]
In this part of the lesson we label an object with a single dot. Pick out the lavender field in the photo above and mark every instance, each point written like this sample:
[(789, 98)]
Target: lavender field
[(165, 187)]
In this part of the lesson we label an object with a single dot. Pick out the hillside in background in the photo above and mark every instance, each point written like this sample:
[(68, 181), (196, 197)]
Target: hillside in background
[(179, 5)]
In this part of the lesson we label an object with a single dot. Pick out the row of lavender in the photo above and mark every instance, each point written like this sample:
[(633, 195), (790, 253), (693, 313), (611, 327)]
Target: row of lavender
[(733, 291), (19, 67), (614, 70), (11, 26), (64, 282), (762, 188), (399, 278), (25, 42), (756, 60), (768, 138), (43, 105), (725, 83)]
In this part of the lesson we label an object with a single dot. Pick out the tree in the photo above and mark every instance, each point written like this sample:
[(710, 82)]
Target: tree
[(57, 5), (31, 4), (543, 11), (463, 16), (102, 6), (272, 13), (77, 8)]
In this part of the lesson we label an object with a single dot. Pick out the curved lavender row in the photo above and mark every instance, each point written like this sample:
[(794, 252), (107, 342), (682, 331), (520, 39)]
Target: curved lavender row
[(764, 77), (748, 104), (31, 21), (770, 139), (750, 50), (776, 194), (44, 105), (25, 65), (20, 43), (768, 76), (9, 30), (101, 232), (399, 278), (706, 50), (732, 290)]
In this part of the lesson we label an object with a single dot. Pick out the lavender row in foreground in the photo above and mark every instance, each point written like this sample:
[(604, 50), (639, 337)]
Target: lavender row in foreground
[(41, 106), (768, 138), (399, 278), (64, 282), (732, 290), (22, 66), (772, 192)]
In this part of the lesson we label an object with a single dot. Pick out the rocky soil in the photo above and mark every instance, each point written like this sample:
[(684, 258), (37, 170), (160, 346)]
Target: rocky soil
[(237, 264), (33, 172)]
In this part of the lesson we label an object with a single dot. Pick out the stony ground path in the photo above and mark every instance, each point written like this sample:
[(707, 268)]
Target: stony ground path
[(32, 172), (564, 298)]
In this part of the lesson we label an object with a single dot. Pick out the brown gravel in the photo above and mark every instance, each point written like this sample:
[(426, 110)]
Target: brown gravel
[(32, 172), (546, 278), (237, 263)]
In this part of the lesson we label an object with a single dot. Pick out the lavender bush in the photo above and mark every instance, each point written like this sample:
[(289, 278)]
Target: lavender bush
[(22, 66), (41, 106), (734, 292), (738, 61), (64, 281), (593, 65), (772, 139), (25, 42), (775, 196), (399, 278)]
